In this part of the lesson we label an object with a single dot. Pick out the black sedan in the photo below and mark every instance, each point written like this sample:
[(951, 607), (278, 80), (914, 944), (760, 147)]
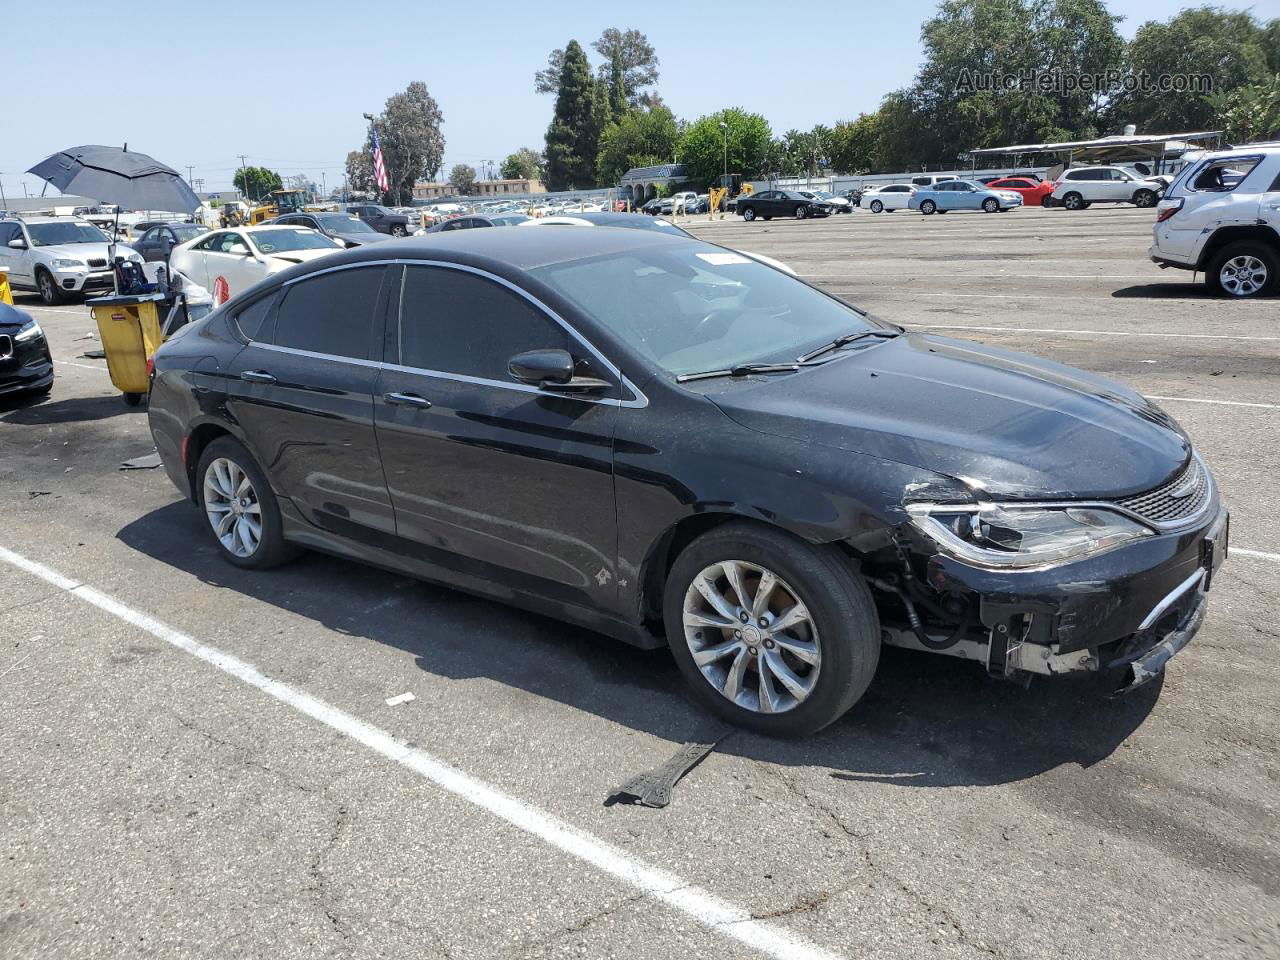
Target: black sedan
[(346, 228), (782, 203), (383, 220), (669, 442), (156, 243), (475, 220), (26, 367)]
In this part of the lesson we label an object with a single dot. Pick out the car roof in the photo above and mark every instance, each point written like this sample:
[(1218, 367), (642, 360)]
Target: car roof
[(51, 219)]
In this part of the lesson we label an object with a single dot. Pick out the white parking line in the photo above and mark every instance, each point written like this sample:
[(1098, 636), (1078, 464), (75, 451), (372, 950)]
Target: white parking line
[(1093, 333), (1258, 554), (1224, 403), (82, 366), (704, 907)]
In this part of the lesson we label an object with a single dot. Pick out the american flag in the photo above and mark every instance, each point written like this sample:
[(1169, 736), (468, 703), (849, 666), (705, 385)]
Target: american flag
[(379, 168)]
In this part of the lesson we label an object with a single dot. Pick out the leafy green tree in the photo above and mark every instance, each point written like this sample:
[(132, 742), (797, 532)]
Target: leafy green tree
[(643, 138), (638, 63), (1271, 45), (570, 152), (462, 178), (702, 145), (1227, 45), (360, 171), (617, 88), (853, 144), (524, 164), (256, 183), (1251, 112)]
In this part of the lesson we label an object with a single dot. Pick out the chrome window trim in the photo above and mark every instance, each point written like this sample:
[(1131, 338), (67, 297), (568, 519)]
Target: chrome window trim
[(295, 351), (639, 401), (1171, 598)]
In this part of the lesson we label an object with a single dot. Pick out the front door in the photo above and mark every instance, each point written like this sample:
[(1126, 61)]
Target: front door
[(488, 474), (18, 261), (309, 378)]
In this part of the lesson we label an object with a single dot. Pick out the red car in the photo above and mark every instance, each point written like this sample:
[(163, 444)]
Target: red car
[(1033, 192)]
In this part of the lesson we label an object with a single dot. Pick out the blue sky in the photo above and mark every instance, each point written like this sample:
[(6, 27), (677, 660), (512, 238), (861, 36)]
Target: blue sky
[(286, 82)]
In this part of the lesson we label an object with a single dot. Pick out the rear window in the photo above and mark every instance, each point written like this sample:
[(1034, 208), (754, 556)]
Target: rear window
[(1222, 176)]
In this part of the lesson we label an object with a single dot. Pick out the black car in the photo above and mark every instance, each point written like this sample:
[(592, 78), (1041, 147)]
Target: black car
[(665, 441), (382, 219), (156, 243), (472, 221), (346, 228), (781, 203), (26, 367)]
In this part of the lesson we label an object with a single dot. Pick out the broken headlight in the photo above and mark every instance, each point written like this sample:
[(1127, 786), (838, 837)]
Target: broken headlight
[(1023, 536)]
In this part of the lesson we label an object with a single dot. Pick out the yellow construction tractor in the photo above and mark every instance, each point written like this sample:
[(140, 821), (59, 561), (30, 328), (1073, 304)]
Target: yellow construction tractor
[(283, 202)]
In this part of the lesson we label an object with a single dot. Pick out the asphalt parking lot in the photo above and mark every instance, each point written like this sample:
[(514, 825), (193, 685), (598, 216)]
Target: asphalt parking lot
[(200, 761)]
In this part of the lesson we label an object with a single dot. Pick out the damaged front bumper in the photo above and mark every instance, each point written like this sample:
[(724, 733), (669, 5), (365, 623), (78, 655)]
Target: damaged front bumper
[(1119, 616)]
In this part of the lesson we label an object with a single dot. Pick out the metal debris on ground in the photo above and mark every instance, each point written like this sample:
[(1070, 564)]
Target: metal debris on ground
[(402, 698), (94, 355), (147, 461), (653, 788)]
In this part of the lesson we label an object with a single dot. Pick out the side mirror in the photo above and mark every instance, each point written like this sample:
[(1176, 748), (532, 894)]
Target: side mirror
[(18, 244), (552, 370)]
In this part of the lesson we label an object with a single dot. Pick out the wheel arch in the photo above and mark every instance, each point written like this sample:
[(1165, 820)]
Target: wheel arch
[(1220, 238), (194, 445)]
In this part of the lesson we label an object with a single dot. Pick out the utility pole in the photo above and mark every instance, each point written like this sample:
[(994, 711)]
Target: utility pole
[(188, 174), (244, 178)]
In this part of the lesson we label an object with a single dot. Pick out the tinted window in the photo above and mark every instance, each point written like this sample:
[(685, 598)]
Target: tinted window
[(332, 313), (458, 322), (9, 231), (250, 319), (1223, 176)]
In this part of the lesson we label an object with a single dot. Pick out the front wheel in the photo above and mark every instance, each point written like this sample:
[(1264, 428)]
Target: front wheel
[(748, 214), (801, 212), (928, 208), (50, 292), (1144, 198), (399, 230), (1244, 269), (991, 205), (772, 633), (877, 206), (240, 507)]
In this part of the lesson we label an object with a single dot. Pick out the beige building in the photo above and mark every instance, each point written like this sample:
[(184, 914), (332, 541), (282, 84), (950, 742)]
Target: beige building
[(430, 190), (497, 188)]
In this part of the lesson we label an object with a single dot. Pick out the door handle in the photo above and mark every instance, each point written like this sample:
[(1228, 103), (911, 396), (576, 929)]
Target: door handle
[(257, 376), (407, 400)]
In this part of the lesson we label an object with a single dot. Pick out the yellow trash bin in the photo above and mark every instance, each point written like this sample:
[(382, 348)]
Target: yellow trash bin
[(130, 331), (6, 294)]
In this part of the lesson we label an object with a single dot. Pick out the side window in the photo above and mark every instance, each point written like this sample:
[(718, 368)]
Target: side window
[(209, 242), (457, 322), (1223, 176), (251, 318), (1275, 187), (232, 243), (332, 313), (8, 231)]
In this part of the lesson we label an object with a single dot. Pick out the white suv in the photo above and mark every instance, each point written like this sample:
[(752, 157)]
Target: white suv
[(1080, 186), (58, 256), (1222, 217)]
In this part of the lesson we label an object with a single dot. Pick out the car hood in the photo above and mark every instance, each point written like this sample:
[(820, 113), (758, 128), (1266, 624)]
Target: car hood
[(360, 239), (1013, 425), (298, 256), (83, 251)]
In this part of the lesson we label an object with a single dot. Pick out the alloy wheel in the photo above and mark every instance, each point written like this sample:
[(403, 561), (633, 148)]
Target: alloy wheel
[(751, 636), (232, 506), (48, 292), (1243, 276)]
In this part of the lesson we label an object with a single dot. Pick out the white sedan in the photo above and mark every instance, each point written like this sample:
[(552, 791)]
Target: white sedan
[(895, 196), (228, 262)]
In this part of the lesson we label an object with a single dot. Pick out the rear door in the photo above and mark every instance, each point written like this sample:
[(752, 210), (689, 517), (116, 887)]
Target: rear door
[(491, 477), (302, 392)]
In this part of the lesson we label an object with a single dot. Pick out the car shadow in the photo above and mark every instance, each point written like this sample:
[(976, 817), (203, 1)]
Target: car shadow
[(1186, 290), (72, 410), (927, 721)]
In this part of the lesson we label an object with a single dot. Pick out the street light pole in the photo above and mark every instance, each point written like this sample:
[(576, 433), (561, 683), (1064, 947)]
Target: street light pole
[(724, 181)]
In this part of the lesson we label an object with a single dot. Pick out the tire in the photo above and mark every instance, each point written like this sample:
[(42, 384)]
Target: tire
[(991, 205), (928, 208), (840, 627), (748, 214), (1144, 199), (1074, 201), (50, 293), (1225, 274), (801, 212), (270, 549), (1047, 201), (877, 206), (132, 399), (399, 231)]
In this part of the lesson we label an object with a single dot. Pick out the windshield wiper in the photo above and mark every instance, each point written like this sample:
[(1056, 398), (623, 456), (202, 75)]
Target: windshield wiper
[(743, 370), (844, 341)]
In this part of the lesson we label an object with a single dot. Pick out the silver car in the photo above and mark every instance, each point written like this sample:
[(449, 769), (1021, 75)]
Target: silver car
[(59, 257)]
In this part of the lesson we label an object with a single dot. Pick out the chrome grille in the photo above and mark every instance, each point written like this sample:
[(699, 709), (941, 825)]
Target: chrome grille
[(1192, 488), (98, 262)]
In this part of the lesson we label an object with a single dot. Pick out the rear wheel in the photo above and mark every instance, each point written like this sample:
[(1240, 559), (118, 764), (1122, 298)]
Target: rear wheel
[(928, 208), (240, 508), (132, 399), (991, 205), (1046, 200), (399, 230), (748, 214), (50, 292), (1248, 268), (1073, 201), (772, 633)]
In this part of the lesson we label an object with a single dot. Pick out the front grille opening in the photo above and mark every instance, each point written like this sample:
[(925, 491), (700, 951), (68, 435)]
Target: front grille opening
[(1182, 497)]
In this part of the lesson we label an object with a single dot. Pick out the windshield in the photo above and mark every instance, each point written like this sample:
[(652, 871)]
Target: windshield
[(342, 223), (51, 234), (281, 241), (701, 307)]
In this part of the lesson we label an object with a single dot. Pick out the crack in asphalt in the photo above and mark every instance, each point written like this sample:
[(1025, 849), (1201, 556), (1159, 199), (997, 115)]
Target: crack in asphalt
[(243, 755), (579, 925), (320, 886)]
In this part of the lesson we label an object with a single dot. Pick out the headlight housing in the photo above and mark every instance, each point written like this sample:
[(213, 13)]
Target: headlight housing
[(135, 258), (61, 264), (1026, 535), (28, 331)]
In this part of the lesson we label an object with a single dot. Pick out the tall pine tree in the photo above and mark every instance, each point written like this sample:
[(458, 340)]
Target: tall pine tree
[(571, 141), (617, 88)]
